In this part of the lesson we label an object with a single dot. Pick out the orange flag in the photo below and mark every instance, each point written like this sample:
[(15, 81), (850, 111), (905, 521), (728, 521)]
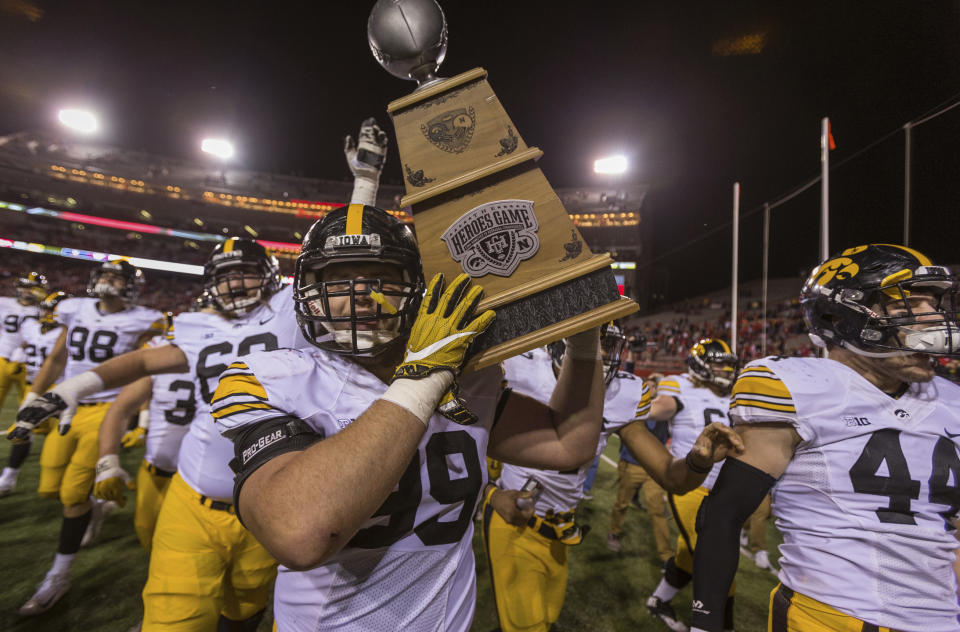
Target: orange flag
[(833, 145)]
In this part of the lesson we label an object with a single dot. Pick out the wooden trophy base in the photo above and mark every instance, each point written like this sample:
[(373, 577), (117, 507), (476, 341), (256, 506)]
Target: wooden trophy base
[(482, 206)]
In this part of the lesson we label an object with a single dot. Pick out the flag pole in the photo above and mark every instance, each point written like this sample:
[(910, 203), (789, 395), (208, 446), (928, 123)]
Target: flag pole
[(907, 151), (766, 261), (824, 189), (736, 255), (824, 196)]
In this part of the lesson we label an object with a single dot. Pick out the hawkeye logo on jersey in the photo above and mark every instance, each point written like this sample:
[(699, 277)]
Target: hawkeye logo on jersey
[(263, 442), (494, 238), (901, 413), (338, 242), (856, 421)]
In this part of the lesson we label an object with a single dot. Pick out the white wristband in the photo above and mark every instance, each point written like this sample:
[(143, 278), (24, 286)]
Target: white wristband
[(143, 419), (80, 386), (584, 345), (419, 396), (364, 191), (106, 466)]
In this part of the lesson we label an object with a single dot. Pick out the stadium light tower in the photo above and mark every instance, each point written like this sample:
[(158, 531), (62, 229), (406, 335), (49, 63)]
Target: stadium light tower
[(611, 165), (79, 120), (218, 147)]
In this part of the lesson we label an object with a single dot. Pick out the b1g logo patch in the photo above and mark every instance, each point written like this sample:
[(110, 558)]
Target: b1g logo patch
[(494, 238), (451, 131)]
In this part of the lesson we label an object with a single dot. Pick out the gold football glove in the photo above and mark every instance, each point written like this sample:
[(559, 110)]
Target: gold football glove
[(134, 438), (111, 480), (443, 330)]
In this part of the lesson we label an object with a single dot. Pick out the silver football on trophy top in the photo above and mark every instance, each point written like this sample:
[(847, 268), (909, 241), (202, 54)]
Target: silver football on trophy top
[(408, 38)]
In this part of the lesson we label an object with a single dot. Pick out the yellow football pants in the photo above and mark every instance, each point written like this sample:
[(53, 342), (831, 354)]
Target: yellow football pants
[(68, 463), (203, 563), (633, 477), (685, 508), (151, 488), (528, 574), (794, 612), (12, 374)]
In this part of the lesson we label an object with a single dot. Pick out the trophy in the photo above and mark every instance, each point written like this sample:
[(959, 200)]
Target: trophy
[(480, 203)]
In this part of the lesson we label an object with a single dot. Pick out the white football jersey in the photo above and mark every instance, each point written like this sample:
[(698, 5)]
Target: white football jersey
[(866, 502), (12, 314), (410, 567), (94, 337), (698, 407), (531, 374), (173, 405), (37, 342), (211, 342)]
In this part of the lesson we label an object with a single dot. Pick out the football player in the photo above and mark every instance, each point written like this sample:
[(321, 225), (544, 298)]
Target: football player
[(860, 451), (688, 402), (527, 538), (196, 533), (106, 324), (36, 339), (31, 289), (167, 404), (360, 463), (206, 570)]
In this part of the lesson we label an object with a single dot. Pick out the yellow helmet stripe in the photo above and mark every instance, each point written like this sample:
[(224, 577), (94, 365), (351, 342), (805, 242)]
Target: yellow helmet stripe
[(228, 244), (355, 219), (922, 258)]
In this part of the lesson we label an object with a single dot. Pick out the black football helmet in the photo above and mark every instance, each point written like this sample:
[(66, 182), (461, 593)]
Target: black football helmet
[(612, 344), (373, 324), (847, 302), (32, 288), (132, 281), (48, 305), (708, 355), (240, 258)]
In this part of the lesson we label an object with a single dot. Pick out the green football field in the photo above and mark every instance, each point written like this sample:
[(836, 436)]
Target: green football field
[(606, 592)]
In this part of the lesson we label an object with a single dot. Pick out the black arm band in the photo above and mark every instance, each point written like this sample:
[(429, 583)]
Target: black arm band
[(254, 446), (739, 490), (501, 404)]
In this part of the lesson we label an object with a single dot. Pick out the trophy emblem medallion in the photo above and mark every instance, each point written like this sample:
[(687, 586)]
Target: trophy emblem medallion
[(494, 238)]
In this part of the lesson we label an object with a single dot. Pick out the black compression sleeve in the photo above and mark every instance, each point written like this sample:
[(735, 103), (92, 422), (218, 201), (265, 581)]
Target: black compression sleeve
[(255, 445), (737, 493)]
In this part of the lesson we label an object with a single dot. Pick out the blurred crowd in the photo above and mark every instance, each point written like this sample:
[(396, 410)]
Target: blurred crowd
[(162, 290), (662, 345)]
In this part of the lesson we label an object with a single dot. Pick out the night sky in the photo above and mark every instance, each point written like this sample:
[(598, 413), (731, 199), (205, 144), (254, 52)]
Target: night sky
[(580, 80)]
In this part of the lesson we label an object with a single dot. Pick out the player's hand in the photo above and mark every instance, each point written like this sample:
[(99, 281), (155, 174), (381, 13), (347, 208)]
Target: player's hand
[(111, 480), (715, 443), (32, 413), (443, 330), (366, 155), (134, 438), (504, 502)]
